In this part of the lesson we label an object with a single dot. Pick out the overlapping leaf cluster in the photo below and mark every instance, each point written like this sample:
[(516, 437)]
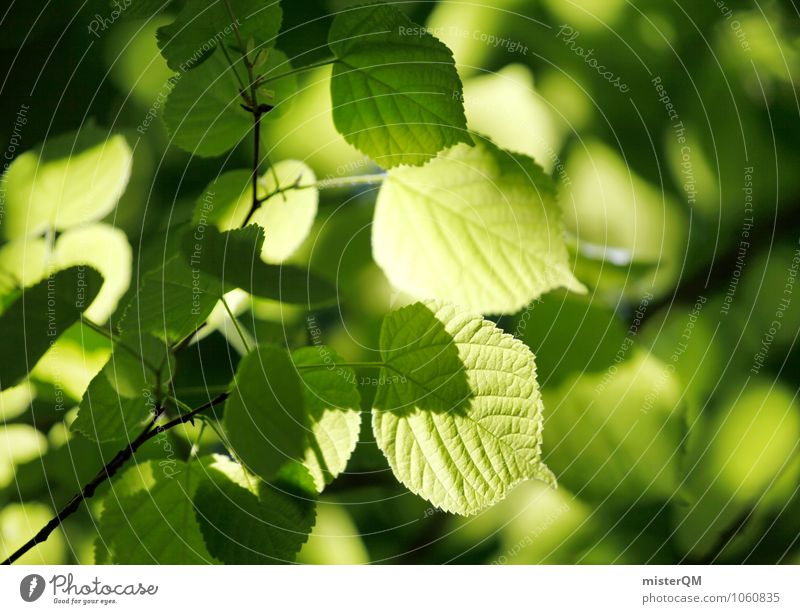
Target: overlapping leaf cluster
[(461, 224)]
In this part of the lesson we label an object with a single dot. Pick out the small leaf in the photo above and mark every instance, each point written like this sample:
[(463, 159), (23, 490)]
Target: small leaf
[(202, 25), (203, 114), (333, 405), (148, 516), (39, 315), (395, 91), (265, 419), (141, 9), (172, 301), (479, 227), (232, 258), (120, 399), (26, 261), (69, 180), (106, 249), (286, 218), (245, 521), (261, 58), (458, 413)]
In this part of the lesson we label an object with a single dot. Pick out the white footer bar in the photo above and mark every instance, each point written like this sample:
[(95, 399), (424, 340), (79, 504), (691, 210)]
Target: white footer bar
[(404, 590)]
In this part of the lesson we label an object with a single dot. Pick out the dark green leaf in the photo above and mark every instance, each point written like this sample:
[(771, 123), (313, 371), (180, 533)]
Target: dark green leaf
[(148, 516), (172, 301), (234, 258), (265, 418), (245, 521), (202, 25), (39, 315), (120, 400)]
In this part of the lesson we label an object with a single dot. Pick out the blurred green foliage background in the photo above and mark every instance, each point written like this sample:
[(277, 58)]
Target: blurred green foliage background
[(672, 418)]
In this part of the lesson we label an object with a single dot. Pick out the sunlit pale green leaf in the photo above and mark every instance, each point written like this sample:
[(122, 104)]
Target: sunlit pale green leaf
[(478, 226), (334, 411), (27, 261), (265, 419), (247, 521), (286, 218), (458, 415), (14, 401), (19, 443), (71, 179), (105, 249), (71, 363), (23, 262), (395, 90), (40, 315)]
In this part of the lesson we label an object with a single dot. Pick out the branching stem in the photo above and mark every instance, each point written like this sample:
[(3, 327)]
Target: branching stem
[(107, 472), (115, 340), (295, 71)]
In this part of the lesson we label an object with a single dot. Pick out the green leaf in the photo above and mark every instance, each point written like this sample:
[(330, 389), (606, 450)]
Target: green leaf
[(395, 91), (148, 516), (20, 443), (172, 301), (245, 521), (120, 399), (203, 113), (27, 260), (265, 419), (140, 9), (741, 462), (33, 322), (572, 334), (334, 411), (458, 413), (479, 227), (106, 249), (69, 180), (286, 218), (615, 436), (232, 257), (202, 25)]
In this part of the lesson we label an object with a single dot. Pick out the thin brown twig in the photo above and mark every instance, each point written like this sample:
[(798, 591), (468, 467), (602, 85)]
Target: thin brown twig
[(107, 472)]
